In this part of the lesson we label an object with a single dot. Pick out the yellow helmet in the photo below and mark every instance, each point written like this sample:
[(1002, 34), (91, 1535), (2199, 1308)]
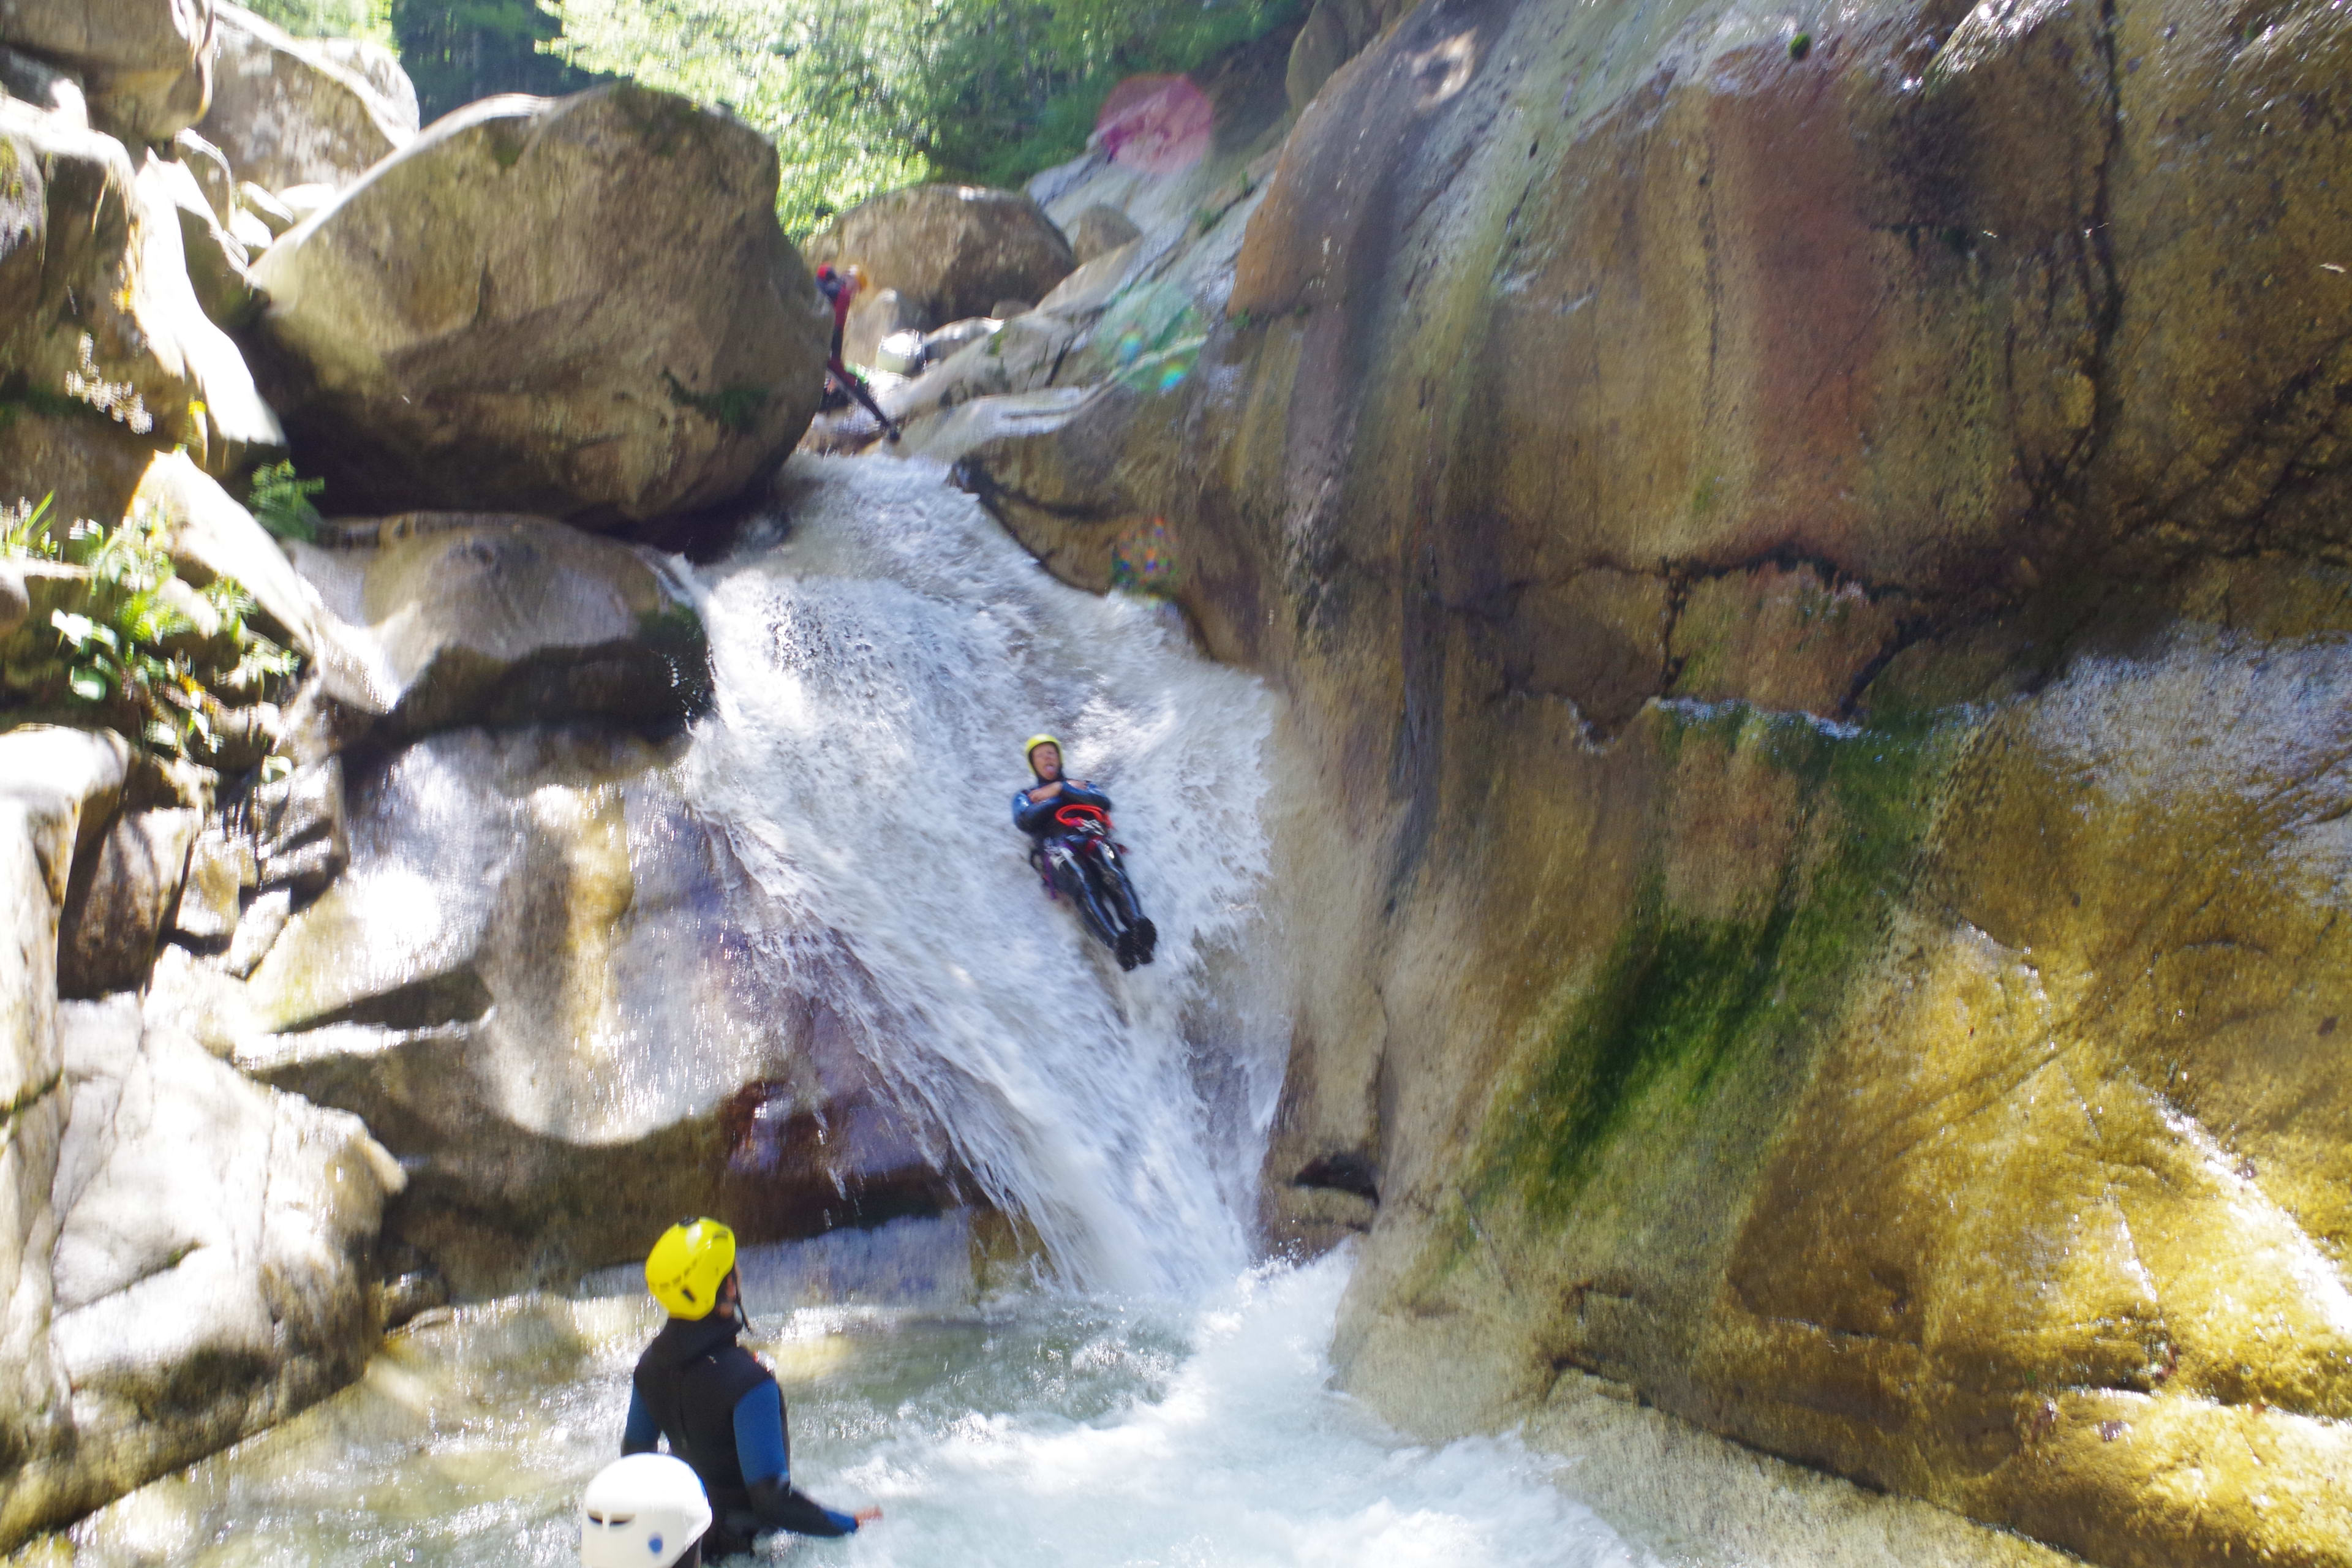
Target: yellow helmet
[(1029, 747), (688, 1264)]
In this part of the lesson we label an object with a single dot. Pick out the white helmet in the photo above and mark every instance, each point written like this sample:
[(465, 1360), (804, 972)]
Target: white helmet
[(644, 1512)]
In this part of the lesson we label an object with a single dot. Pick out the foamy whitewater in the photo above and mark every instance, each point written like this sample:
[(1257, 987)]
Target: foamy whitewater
[(878, 672)]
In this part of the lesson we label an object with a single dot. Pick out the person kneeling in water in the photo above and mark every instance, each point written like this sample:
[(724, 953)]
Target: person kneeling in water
[(719, 1408)]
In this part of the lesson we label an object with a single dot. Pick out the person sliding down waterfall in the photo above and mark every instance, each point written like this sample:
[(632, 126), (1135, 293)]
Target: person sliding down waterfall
[(719, 1408), (1070, 819), (840, 291)]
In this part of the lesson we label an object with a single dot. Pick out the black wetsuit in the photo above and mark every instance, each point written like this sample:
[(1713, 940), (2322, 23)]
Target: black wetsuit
[(696, 1386), (1057, 855)]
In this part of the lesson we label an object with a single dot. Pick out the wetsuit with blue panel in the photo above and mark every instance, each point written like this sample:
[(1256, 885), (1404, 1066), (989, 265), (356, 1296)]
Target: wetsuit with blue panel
[(723, 1415), (1057, 853)]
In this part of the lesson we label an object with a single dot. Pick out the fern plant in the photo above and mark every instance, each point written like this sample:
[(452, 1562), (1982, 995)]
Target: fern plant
[(281, 501), (127, 643)]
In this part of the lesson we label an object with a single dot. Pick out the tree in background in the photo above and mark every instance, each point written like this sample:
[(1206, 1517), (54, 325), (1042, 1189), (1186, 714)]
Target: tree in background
[(330, 19), (862, 96), (459, 50)]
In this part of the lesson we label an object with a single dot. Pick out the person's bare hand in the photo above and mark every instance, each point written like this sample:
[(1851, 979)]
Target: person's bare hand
[(866, 1516), (1047, 792)]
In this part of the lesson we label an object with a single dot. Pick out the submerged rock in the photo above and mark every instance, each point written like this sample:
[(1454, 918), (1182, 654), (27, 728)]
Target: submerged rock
[(952, 251), (144, 64), (580, 307), (288, 111)]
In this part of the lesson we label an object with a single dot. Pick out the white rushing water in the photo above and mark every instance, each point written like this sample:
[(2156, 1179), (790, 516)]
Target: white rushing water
[(878, 672)]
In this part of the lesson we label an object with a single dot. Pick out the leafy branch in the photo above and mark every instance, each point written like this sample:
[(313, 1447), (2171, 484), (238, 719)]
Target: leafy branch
[(126, 642)]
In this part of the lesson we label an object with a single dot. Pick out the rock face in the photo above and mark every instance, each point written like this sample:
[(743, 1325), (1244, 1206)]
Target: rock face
[(582, 308), (1810, 578), (97, 315), (522, 622), (215, 1255), (288, 111), (56, 789), (528, 920), (145, 66), (952, 251)]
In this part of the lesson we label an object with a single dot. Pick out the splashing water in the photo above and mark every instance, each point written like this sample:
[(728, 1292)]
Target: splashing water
[(877, 675)]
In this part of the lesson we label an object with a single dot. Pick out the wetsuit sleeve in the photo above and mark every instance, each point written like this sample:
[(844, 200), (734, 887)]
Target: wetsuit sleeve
[(1034, 818), (1079, 795), (640, 1434), (760, 1436), (760, 1449)]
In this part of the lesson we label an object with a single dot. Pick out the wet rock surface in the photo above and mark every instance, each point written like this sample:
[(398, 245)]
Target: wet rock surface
[(615, 254), (528, 921)]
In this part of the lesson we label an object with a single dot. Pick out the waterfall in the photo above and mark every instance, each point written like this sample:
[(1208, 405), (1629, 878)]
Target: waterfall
[(878, 668)]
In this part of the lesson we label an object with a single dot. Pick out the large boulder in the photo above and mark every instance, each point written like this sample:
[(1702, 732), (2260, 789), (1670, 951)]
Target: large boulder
[(580, 307), (215, 1259), (952, 251), (520, 621), (98, 317), (289, 112), (58, 790), (144, 64)]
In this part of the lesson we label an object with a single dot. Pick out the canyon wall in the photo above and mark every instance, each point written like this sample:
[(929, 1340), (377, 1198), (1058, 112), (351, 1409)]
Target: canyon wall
[(1808, 550)]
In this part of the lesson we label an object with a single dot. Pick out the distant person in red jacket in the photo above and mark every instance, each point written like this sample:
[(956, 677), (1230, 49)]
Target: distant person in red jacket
[(840, 289)]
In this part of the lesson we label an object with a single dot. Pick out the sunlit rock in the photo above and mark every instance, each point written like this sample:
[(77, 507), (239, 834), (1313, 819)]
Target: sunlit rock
[(214, 1252), (875, 316), (98, 317), (144, 64), (215, 259), (513, 621), (580, 307), (286, 111), (952, 251), (58, 789), (1814, 907)]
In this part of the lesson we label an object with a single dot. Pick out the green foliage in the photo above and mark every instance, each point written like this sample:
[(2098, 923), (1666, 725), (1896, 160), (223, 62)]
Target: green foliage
[(281, 502), (863, 95), (125, 643), (370, 19), (734, 409)]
